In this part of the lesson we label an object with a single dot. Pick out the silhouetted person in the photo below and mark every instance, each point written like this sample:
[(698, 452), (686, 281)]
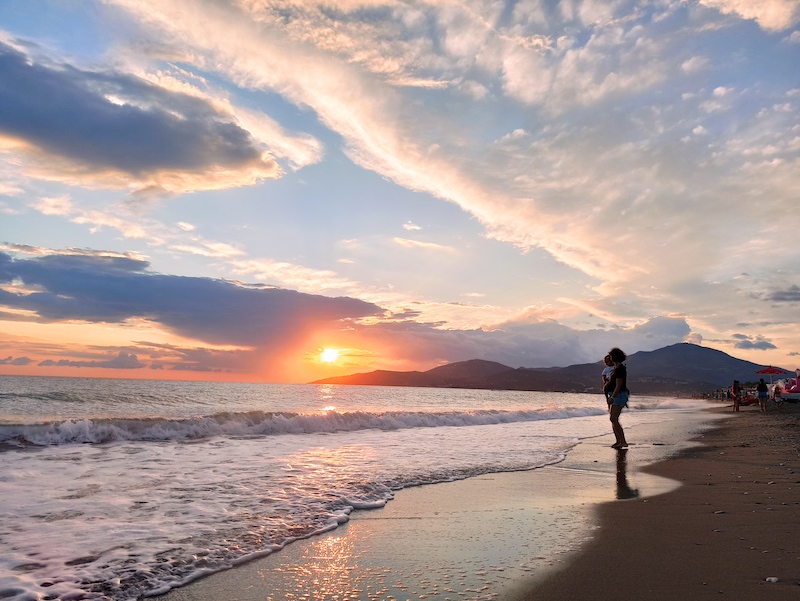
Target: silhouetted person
[(763, 394), (617, 393)]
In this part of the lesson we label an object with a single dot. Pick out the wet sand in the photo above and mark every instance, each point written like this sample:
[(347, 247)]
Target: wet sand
[(733, 524)]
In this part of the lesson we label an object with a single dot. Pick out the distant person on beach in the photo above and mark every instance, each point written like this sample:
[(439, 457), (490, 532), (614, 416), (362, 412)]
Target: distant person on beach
[(606, 375), (736, 394), (777, 394), (616, 390), (763, 394)]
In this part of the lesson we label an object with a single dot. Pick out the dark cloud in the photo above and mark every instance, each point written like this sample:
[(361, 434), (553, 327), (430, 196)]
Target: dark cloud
[(169, 356), (18, 361), (757, 345), (69, 112), (790, 295), (750, 343), (121, 361), (112, 289), (191, 367)]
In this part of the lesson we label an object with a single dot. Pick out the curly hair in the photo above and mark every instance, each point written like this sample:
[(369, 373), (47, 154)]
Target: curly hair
[(617, 356)]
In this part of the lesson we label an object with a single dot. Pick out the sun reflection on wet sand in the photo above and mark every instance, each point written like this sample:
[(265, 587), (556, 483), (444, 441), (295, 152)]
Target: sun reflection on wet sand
[(428, 546), (335, 567), (329, 570)]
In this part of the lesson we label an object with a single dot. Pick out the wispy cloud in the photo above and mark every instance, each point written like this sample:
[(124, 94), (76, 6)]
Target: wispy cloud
[(637, 179), (289, 275), (421, 245)]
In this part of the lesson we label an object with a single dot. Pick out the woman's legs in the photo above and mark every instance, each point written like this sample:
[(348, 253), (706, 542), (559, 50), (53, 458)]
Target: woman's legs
[(616, 427)]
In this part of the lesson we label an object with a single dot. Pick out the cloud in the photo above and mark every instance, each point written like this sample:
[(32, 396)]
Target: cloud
[(43, 251), (122, 131), (788, 295), (121, 361), (291, 275), (263, 322), (60, 205), (16, 361), (428, 246), (772, 15), (132, 224), (100, 219), (755, 345), (616, 106), (112, 289), (518, 344), (695, 64), (595, 133), (208, 249), (200, 359)]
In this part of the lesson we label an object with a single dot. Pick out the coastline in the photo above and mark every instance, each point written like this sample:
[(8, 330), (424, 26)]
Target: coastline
[(488, 537), (731, 530)]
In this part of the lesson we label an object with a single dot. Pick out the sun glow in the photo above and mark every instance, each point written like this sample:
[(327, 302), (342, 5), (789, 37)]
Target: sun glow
[(329, 355)]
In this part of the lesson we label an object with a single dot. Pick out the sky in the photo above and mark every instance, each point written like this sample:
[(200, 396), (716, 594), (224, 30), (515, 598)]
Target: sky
[(288, 190)]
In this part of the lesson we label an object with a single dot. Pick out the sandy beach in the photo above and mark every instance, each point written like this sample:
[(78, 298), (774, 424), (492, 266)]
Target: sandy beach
[(718, 517), (731, 525)]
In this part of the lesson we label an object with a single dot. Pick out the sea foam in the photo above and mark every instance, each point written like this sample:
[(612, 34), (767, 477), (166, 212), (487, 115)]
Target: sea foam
[(257, 423)]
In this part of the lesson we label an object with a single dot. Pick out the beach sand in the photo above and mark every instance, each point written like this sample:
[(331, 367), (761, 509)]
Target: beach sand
[(733, 524), (716, 519)]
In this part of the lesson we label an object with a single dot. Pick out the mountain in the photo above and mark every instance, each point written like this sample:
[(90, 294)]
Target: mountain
[(681, 369), (463, 374)]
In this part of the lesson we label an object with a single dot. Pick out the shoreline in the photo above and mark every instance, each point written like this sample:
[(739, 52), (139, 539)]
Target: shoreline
[(487, 537), (731, 530)]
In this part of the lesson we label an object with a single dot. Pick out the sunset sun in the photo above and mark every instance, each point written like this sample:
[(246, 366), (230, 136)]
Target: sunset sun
[(329, 355)]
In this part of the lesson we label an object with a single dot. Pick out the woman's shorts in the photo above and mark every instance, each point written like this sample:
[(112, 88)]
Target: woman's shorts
[(621, 399)]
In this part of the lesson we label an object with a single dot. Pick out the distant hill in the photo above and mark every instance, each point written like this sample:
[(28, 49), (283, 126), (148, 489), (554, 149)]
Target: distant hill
[(463, 374), (681, 369)]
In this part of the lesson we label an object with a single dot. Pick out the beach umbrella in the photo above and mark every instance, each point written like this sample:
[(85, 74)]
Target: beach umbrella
[(772, 371)]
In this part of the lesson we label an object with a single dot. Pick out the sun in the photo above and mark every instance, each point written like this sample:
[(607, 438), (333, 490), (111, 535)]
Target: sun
[(329, 355)]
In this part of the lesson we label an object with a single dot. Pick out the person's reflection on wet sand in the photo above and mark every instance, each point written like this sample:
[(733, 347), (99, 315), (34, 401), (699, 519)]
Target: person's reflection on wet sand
[(624, 491)]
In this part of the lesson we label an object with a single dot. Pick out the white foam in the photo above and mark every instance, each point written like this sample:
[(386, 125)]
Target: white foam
[(262, 424)]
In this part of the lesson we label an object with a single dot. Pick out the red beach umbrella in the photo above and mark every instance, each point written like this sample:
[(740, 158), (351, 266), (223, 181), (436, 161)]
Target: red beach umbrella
[(772, 371)]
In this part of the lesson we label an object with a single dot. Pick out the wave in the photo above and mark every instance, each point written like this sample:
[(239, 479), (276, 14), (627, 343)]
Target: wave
[(259, 423)]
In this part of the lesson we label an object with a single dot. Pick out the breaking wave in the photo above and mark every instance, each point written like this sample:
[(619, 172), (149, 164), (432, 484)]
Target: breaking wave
[(259, 423)]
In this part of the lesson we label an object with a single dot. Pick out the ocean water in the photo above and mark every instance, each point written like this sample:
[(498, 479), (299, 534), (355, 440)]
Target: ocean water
[(123, 489)]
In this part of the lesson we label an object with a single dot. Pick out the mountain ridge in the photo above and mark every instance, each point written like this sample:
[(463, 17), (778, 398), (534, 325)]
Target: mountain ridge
[(681, 369)]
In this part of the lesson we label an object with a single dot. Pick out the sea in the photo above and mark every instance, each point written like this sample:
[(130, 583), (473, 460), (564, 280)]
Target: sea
[(124, 489)]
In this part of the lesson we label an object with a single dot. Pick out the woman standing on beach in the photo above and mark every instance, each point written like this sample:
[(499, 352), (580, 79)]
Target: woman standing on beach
[(616, 390)]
